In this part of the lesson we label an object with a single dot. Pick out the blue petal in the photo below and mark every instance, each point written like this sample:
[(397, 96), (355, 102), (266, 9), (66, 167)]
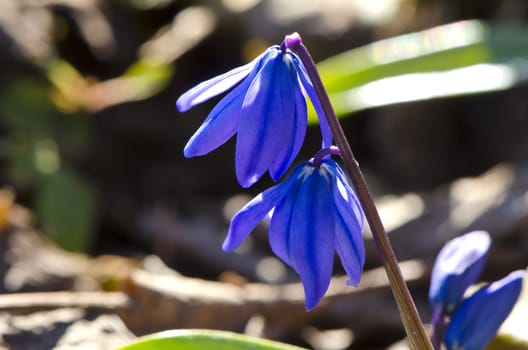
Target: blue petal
[(457, 266), (261, 129), (312, 237), (312, 94), (221, 123), (219, 126), (281, 220), (293, 126), (217, 85), (349, 224), (477, 319), (252, 213)]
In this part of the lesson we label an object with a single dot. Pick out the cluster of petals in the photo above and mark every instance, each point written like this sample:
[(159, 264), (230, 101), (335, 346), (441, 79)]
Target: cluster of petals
[(266, 109), (478, 318), (312, 214), (473, 320)]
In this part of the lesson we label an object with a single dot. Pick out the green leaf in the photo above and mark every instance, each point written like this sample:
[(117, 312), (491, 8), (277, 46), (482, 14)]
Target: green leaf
[(146, 78), (66, 206), (461, 58), (197, 339), (25, 104)]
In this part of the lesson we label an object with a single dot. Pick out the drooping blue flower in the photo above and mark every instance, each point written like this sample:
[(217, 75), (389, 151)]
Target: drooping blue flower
[(266, 109), (477, 319), (312, 214), (457, 266)]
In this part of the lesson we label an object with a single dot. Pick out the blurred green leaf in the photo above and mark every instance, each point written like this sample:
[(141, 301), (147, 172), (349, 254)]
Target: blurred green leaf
[(460, 58), (195, 339), (25, 105), (72, 91), (34, 122), (26, 109), (66, 206), (504, 342), (147, 77)]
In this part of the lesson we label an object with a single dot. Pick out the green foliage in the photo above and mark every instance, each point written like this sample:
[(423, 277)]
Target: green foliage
[(147, 77), (48, 121), (73, 92), (39, 136), (507, 343), (66, 207), (195, 339), (456, 59)]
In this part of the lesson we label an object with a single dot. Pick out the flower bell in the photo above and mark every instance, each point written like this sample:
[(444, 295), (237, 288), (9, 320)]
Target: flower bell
[(457, 266), (312, 214), (477, 319), (266, 109)]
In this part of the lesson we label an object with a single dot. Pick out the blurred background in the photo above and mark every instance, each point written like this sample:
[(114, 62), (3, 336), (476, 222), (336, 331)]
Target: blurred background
[(91, 143)]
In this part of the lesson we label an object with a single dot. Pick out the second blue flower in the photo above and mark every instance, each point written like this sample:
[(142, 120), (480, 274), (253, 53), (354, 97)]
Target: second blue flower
[(313, 214)]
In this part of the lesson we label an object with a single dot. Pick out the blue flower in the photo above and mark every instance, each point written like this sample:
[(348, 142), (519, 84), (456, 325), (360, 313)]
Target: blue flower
[(266, 109), (477, 319), (312, 214), (457, 266)]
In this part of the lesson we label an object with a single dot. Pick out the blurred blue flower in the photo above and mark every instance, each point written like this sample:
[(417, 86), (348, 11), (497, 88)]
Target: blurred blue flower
[(266, 109), (477, 319), (312, 214), (457, 266)]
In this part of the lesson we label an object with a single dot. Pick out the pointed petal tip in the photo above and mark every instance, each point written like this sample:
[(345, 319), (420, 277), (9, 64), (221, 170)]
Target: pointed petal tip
[(213, 87), (233, 239), (245, 183), (189, 151), (185, 102), (187, 154), (353, 281), (313, 297), (275, 176), (245, 180), (227, 246), (181, 106), (310, 303)]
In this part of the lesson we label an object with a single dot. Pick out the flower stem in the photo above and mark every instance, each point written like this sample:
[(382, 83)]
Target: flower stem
[(438, 323), (416, 332)]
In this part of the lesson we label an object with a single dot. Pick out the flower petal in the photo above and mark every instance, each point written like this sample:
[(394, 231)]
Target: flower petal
[(219, 126), (252, 213), (261, 131), (217, 85), (295, 125), (457, 266), (281, 220), (349, 225), (221, 123), (477, 319), (312, 94), (312, 238)]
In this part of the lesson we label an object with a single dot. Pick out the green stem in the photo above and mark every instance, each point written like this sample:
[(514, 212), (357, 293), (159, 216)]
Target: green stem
[(416, 332)]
